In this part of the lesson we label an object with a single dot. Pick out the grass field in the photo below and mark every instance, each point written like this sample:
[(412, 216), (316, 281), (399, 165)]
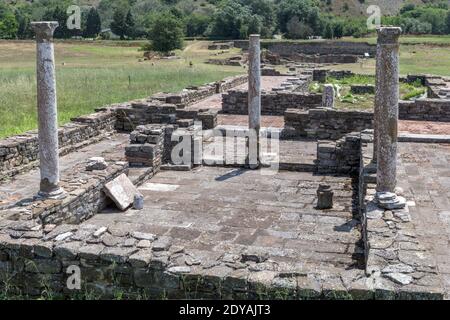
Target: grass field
[(92, 75)]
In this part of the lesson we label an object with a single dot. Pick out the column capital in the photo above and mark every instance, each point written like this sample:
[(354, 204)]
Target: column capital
[(44, 30), (388, 35)]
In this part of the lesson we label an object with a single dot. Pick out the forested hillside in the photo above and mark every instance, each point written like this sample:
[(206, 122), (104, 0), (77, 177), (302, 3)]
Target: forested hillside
[(224, 19)]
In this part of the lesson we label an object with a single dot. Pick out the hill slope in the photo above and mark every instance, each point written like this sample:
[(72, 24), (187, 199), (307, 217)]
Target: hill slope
[(339, 7)]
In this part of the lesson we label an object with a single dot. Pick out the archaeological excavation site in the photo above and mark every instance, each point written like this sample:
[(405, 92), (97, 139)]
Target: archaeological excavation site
[(257, 186)]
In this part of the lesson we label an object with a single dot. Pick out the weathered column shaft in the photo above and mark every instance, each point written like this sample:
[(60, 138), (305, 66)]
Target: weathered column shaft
[(254, 88), (387, 96), (47, 109)]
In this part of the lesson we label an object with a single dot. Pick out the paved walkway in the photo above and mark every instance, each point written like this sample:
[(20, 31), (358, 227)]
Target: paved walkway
[(25, 186), (424, 174), (212, 212)]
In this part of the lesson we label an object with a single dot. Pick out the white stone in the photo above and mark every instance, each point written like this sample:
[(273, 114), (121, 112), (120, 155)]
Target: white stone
[(143, 236), (122, 191), (100, 232), (96, 163), (161, 187), (398, 268), (180, 269), (400, 278), (63, 236)]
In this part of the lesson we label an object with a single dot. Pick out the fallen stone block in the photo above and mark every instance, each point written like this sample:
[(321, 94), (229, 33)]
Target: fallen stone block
[(122, 191)]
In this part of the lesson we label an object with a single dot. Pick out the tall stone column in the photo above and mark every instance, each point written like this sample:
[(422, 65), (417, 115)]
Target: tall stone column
[(47, 110), (254, 96), (387, 96)]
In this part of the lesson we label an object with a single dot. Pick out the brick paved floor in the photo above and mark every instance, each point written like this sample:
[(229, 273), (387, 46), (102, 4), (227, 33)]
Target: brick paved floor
[(424, 174)]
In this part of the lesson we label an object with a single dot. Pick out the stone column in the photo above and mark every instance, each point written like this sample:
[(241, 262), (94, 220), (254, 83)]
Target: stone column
[(387, 96), (328, 96), (254, 96), (47, 110)]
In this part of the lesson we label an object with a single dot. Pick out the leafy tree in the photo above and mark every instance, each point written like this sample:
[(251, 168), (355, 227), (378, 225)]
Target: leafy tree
[(118, 25), (93, 24), (306, 11), (196, 25), (59, 14), (234, 21), (166, 33), (8, 23)]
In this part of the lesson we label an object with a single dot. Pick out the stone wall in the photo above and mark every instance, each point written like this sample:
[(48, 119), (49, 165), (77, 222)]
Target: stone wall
[(325, 58), (272, 103), (324, 123), (340, 156), (20, 153), (116, 263), (131, 115), (193, 94), (425, 110), (286, 48)]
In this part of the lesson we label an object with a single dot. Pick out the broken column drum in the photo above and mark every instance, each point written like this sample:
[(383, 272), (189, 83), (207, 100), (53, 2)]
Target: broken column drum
[(254, 98), (324, 197), (47, 110), (387, 96)]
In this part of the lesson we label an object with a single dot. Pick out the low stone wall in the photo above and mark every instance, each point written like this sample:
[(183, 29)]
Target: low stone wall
[(340, 156), (324, 123), (20, 153), (192, 95), (137, 265), (286, 48), (425, 110), (325, 58), (321, 75), (362, 89), (272, 103)]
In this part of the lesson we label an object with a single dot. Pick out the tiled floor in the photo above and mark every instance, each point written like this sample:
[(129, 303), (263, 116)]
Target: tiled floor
[(424, 174), (214, 211)]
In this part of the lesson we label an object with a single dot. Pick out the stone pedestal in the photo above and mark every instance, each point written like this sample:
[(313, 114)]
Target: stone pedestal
[(254, 98), (328, 96), (324, 197), (386, 119), (47, 110)]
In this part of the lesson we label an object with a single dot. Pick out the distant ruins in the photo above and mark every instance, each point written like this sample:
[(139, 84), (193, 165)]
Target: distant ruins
[(345, 216)]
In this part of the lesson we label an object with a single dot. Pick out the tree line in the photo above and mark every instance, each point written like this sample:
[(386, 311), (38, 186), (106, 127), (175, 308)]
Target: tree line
[(166, 22)]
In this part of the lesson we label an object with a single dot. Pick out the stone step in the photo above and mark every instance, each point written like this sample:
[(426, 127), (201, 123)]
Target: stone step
[(176, 167)]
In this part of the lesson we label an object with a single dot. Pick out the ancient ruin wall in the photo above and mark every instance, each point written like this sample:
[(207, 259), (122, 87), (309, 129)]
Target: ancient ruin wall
[(286, 48), (272, 103), (325, 123), (20, 153), (425, 110)]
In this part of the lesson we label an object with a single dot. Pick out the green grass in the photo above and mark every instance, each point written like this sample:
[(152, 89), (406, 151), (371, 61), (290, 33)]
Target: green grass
[(94, 75), (349, 101)]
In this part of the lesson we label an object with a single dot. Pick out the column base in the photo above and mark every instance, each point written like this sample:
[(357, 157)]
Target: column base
[(389, 201), (55, 194)]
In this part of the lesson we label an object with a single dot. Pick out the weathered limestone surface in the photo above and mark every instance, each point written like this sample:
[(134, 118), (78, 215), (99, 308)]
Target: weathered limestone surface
[(122, 191), (328, 96), (47, 109), (254, 100), (386, 108)]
